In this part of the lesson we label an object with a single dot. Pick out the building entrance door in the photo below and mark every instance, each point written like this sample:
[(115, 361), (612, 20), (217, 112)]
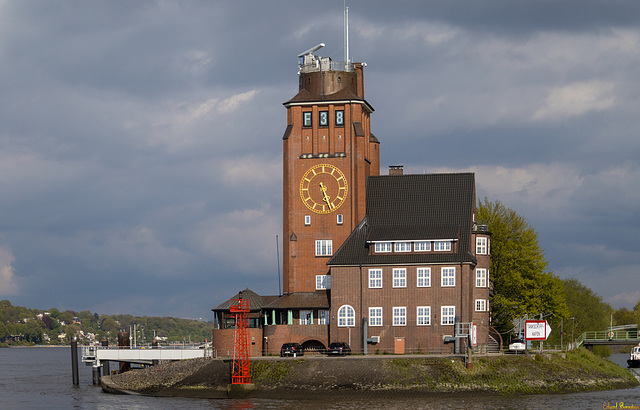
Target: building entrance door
[(399, 345)]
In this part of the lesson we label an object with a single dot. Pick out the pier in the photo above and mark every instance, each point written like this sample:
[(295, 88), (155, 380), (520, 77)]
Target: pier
[(142, 355)]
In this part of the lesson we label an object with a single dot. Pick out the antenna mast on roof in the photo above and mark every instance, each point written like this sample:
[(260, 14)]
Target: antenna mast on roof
[(346, 34)]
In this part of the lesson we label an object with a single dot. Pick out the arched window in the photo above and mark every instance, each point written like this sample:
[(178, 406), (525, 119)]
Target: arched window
[(346, 316)]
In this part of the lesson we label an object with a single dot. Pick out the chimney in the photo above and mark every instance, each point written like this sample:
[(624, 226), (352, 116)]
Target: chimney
[(395, 170)]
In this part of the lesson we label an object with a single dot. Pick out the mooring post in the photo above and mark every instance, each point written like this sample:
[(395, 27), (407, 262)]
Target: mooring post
[(154, 345), (74, 362), (124, 343), (105, 365), (95, 372)]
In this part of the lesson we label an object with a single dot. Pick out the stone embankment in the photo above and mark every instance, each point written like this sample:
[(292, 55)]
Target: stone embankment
[(415, 375)]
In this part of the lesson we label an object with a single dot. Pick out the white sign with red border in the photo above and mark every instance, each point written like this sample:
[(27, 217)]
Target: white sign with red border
[(536, 330)]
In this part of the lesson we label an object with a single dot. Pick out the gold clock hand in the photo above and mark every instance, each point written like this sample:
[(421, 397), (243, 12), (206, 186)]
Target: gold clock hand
[(325, 197)]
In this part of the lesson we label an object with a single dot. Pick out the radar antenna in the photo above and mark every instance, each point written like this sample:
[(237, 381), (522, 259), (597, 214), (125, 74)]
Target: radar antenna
[(311, 50)]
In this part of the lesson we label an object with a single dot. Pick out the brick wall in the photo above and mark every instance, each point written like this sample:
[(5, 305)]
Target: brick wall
[(223, 340), (276, 335)]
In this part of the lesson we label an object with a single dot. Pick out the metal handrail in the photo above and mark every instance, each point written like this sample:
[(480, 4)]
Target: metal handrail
[(326, 65), (607, 335)]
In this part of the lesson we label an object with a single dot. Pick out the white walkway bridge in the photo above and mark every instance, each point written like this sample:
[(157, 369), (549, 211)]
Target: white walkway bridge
[(142, 355)]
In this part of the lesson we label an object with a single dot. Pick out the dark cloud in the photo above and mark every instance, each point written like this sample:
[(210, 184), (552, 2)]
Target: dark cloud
[(140, 167)]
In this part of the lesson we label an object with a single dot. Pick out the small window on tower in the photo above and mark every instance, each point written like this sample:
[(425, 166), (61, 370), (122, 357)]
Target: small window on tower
[(323, 118), (340, 218), (339, 118), (306, 119), (307, 219)]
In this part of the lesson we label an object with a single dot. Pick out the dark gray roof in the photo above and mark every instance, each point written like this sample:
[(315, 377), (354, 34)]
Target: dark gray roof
[(410, 208), (256, 302), (301, 300), (305, 96)]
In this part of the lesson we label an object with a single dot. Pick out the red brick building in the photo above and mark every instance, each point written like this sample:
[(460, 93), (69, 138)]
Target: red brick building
[(386, 263)]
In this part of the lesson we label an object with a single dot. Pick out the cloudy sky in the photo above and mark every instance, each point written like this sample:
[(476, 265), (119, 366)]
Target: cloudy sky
[(141, 151)]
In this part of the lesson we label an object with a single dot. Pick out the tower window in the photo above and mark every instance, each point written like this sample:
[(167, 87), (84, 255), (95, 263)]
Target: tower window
[(323, 118), (324, 247), (481, 245), (306, 119), (307, 219), (339, 219)]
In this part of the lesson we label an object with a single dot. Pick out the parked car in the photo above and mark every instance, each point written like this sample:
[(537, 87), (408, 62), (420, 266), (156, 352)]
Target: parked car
[(291, 349), (339, 348), (517, 345)]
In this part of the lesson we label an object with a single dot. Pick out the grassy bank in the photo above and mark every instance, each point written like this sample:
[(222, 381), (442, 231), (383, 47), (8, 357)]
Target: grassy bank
[(579, 370)]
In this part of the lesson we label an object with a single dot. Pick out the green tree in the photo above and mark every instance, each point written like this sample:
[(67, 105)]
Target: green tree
[(623, 316), (4, 331), (33, 331), (521, 284), (588, 312)]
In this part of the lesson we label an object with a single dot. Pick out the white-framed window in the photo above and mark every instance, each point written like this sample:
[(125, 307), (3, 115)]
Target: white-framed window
[(448, 277), (422, 246), (481, 305), (424, 277), (323, 282), (306, 317), (375, 316), (324, 247), (339, 219), (399, 278), (481, 278), (403, 246), (383, 247), (306, 119), (424, 315), (447, 315), (399, 316), (346, 316), (481, 245), (323, 118), (375, 278), (442, 246), (323, 317), (307, 219)]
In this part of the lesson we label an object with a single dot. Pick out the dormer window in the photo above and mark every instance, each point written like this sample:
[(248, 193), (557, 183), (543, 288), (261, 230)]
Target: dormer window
[(382, 247), (442, 246), (402, 247)]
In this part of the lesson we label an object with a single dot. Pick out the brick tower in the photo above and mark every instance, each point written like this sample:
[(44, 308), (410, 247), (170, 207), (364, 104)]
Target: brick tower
[(328, 153)]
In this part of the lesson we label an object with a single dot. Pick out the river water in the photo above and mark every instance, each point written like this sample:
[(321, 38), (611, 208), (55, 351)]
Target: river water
[(40, 377)]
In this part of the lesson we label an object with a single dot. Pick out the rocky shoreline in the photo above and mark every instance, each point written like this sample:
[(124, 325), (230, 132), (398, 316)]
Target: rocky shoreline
[(416, 375)]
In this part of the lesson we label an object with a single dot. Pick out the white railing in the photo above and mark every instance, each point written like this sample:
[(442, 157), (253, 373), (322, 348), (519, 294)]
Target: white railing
[(325, 64), (100, 353)]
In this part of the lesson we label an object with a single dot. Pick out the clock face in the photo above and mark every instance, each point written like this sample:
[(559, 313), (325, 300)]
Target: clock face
[(323, 188)]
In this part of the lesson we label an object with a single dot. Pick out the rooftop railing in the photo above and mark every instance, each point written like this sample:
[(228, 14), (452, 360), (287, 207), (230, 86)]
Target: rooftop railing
[(326, 64)]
